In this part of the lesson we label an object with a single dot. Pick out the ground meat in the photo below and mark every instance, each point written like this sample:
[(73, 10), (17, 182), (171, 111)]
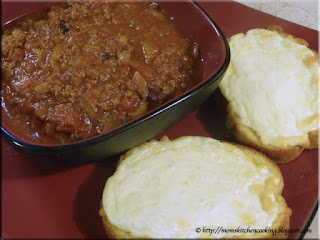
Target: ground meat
[(82, 69)]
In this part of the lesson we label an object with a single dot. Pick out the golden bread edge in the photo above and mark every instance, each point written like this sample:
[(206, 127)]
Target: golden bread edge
[(256, 156), (247, 136)]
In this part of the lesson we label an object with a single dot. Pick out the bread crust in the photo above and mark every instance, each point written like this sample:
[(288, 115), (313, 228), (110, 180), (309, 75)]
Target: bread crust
[(314, 140), (115, 233), (283, 220), (247, 136), (111, 230)]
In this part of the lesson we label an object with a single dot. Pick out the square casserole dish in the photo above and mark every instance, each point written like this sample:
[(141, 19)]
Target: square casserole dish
[(214, 51)]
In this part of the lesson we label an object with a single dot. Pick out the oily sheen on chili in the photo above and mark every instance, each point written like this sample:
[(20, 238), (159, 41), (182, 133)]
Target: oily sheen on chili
[(78, 70)]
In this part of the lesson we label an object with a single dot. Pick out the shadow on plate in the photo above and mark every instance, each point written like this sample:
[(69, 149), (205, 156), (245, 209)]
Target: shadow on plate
[(88, 200), (212, 114)]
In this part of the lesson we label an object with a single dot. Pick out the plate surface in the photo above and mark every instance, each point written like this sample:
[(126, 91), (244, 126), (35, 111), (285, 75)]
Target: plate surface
[(46, 200)]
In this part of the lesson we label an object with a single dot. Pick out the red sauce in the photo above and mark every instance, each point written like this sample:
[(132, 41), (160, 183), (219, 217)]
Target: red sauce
[(81, 69)]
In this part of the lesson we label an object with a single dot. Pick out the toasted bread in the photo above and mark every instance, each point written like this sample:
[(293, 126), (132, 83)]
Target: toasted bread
[(271, 87), (190, 187)]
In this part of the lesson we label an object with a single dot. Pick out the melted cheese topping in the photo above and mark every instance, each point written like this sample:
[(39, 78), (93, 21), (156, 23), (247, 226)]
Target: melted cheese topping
[(168, 189), (272, 84)]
